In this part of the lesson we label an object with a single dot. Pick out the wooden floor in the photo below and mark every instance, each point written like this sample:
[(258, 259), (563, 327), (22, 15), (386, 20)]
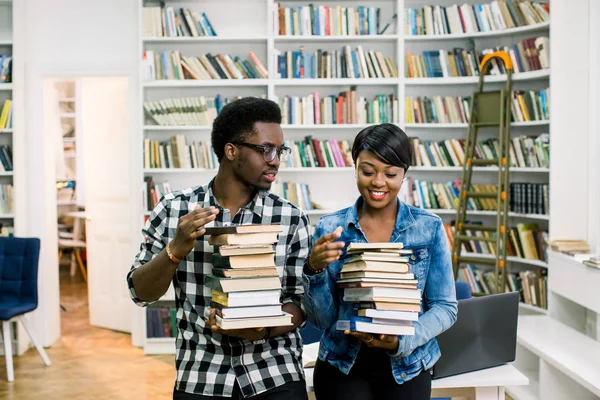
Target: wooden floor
[(87, 363)]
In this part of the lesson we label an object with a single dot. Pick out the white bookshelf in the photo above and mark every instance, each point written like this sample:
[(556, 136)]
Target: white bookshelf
[(256, 34), (9, 136)]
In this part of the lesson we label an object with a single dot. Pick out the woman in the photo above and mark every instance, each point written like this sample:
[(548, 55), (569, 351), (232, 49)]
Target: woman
[(353, 365)]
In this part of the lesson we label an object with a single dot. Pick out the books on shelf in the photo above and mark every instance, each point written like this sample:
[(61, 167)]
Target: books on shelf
[(152, 192), (161, 322), (524, 198), (472, 18), (526, 105), (524, 241), (175, 22), (6, 199), (344, 108), (244, 282), (177, 153), (525, 152), (532, 285), (198, 110), (175, 66), (323, 20), (530, 54), (325, 153), (376, 278), (294, 192), (344, 63)]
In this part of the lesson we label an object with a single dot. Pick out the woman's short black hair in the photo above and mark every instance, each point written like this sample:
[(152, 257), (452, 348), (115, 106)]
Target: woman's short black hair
[(236, 121), (387, 142)]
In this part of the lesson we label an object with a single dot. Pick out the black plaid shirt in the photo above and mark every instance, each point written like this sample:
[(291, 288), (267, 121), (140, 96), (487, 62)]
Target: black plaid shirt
[(209, 363)]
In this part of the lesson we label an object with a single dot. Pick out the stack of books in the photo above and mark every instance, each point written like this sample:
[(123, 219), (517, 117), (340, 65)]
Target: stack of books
[(244, 282), (385, 297)]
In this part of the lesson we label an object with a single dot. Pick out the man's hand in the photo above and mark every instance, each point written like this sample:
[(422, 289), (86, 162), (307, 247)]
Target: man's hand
[(325, 250), (188, 230), (389, 342), (248, 334)]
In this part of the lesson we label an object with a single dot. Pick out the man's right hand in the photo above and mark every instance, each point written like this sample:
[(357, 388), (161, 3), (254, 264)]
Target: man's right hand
[(189, 228), (325, 250)]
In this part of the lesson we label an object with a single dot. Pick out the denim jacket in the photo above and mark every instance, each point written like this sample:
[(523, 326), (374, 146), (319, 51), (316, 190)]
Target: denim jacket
[(430, 262)]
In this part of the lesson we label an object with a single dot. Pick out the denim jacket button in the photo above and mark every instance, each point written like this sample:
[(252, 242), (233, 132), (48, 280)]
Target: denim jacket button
[(413, 257), (403, 375)]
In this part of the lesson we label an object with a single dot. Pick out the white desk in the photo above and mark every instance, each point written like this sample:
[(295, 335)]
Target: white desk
[(486, 384)]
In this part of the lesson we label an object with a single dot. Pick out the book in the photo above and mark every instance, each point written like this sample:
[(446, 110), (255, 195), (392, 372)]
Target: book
[(243, 238), (227, 285), (264, 260), (244, 272), (245, 249), (247, 228), (247, 311), (256, 322), (246, 299)]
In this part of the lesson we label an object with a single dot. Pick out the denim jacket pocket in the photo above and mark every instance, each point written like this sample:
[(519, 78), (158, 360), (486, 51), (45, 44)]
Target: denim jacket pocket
[(417, 262)]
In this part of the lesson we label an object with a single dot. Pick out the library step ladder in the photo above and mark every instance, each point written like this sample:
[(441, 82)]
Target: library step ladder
[(488, 109)]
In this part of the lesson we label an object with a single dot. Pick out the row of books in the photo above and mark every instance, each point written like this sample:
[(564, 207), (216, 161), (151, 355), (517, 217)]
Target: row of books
[(345, 108), (344, 63), (313, 20), (473, 18), (311, 152), (177, 153), (153, 191), (526, 105), (524, 152), (181, 111), (523, 241), (524, 198), (171, 22), (530, 54), (294, 192), (531, 285), (174, 65), (161, 322), (6, 115), (376, 279)]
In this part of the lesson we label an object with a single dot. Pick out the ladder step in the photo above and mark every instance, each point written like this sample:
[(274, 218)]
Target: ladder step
[(486, 195), (477, 260), (482, 228), (476, 238), (485, 124), (478, 161)]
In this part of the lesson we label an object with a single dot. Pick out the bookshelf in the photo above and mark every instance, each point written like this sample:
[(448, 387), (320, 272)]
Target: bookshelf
[(252, 26), (10, 139)]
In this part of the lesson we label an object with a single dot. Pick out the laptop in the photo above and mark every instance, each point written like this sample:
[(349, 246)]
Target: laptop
[(483, 336)]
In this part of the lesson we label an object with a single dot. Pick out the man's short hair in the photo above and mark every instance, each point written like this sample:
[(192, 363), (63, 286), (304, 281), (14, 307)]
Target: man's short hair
[(236, 121)]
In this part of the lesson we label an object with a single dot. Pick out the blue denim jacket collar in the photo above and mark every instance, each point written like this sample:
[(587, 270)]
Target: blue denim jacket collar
[(404, 218)]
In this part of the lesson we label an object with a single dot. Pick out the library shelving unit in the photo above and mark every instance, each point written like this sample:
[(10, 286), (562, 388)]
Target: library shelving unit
[(9, 132), (244, 26)]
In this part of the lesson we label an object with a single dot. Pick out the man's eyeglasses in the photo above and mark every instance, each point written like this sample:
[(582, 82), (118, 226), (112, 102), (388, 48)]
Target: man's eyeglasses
[(269, 152)]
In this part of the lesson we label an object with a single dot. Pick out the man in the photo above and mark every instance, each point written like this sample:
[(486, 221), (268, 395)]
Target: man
[(211, 363)]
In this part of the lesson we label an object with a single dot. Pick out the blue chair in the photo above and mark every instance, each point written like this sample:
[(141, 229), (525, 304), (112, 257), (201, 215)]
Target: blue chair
[(18, 291), (310, 334), (463, 290)]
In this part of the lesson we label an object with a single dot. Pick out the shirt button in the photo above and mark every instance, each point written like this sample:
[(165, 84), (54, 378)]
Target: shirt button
[(413, 257), (403, 376)]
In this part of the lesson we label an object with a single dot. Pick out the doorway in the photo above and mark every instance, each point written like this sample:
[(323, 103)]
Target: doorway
[(91, 125)]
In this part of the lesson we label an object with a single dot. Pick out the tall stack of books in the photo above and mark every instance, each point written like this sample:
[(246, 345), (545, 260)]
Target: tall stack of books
[(245, 284), (385, 297)]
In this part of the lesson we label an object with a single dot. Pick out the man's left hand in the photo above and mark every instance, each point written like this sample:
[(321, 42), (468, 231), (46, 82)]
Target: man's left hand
[(389, 342), (248, 334)]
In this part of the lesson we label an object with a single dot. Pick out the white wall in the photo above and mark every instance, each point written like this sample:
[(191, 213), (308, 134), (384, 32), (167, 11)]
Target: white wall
[(63, 38), (594, 147), (569, 136)]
